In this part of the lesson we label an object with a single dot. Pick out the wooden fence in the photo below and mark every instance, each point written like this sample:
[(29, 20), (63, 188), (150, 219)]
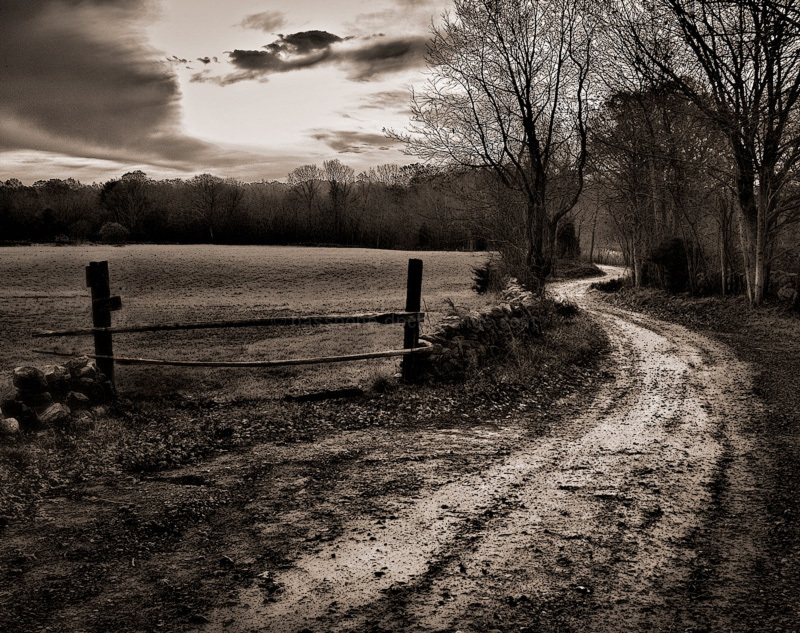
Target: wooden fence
[(103, 304)]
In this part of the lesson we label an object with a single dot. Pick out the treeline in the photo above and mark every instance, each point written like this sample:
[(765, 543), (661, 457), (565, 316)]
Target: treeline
[(388, 206)]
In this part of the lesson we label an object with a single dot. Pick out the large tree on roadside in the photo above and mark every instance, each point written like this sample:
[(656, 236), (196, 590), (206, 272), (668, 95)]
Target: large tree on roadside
[(508, 89), (738, 61)]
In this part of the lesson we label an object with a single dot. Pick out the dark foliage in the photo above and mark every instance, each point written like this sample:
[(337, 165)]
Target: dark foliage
[(568, 245), (488, 278), (387, 207), (668, 265), (612, 285)]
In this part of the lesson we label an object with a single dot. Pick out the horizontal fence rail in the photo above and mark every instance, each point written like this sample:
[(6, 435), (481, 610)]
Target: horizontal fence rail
[(382, 318), (123, 360)]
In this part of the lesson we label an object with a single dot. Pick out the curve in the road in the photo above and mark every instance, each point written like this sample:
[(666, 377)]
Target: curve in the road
[(605, 507)]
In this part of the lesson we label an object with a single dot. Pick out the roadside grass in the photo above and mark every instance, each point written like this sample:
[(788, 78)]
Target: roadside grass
[(169, 430)]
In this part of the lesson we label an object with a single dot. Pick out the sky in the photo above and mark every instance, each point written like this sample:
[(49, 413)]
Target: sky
[(251, 89)]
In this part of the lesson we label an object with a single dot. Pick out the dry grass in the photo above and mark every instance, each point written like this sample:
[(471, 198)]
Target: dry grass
[(44, 287)]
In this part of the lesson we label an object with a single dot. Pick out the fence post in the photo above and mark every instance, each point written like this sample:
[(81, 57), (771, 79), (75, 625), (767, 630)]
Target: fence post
[(102, 305), (410, 367)]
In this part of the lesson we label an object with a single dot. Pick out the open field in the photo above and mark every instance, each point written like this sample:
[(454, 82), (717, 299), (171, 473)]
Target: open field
[(44, 288)]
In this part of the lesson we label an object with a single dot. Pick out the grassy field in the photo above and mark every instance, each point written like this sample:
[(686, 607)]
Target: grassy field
[(44, 288)]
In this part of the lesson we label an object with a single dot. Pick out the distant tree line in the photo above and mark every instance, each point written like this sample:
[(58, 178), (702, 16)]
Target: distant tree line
[(389, 206)]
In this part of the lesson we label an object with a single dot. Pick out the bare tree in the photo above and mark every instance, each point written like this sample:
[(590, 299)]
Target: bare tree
[(738, 61), (306, 182), (340, 180), (127, 201), (508, 90), (214, 201)]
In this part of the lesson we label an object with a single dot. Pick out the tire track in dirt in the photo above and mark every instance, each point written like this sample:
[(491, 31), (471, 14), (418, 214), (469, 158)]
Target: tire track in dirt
[(598, 516)]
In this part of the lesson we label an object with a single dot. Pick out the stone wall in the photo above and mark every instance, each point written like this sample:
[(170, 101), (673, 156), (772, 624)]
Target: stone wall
[(63, 397), (462, 343)]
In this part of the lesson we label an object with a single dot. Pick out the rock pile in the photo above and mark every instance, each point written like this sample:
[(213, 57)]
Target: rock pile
[(64, 397), (463, 342)]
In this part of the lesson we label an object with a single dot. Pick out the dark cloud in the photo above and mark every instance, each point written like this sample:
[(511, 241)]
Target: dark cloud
[(267, 21), (363, 59), (385, 57), (352, 141), (79, 78), (304, 42), (287, 53)]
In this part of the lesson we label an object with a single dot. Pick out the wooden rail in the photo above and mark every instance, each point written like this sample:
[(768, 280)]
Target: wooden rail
[(383, 318), (123, 360), (97, 278)]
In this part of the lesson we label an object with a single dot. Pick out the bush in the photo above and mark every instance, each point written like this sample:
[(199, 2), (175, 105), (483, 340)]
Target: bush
[(667, 264), (612, 285), (488, 278), (113, 233)]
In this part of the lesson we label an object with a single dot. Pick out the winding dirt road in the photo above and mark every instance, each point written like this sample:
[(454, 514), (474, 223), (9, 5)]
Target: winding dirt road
[(590, 527)]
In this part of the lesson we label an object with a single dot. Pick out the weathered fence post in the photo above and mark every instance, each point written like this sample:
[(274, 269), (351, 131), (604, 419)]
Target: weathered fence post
[(410, 368), (102, 305)]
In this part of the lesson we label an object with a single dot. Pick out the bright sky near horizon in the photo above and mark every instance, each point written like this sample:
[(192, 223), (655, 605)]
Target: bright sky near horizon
[(91, 89)]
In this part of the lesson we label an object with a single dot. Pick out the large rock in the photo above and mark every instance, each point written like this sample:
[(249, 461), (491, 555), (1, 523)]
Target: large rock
[(29, 380), (57, 415), (9, 426), (57, 379), (36, 400), (74, 365), (92, 389), (89, 371), (78, 400)]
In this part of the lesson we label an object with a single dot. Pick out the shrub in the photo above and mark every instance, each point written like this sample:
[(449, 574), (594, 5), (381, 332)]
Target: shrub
[(488, 278), (667, 264), (612, 285), (113, 233)]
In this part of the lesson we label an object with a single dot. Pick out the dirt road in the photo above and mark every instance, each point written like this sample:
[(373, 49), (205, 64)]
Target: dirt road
[(592, 526)]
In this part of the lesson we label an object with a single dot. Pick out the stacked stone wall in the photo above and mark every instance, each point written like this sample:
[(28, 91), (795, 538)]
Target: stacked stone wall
[(63, 397), (462, 343)]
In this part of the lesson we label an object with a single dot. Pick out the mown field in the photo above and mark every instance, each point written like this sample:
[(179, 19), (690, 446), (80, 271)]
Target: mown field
[(44, 287)]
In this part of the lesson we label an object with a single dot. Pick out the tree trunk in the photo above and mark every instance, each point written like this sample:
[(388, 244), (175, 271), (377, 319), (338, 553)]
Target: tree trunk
[(753, 242), (637, 265), (594, 229), (723, 269)]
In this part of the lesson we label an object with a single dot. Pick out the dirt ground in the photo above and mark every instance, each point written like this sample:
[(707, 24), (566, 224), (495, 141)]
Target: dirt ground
[(635, 503)]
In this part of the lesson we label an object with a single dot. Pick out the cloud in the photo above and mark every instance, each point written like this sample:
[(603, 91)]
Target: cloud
[(384, 57), (79, 78), (267, 21), (363, 59), (402, 16), (387, 100), (352, 141)]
